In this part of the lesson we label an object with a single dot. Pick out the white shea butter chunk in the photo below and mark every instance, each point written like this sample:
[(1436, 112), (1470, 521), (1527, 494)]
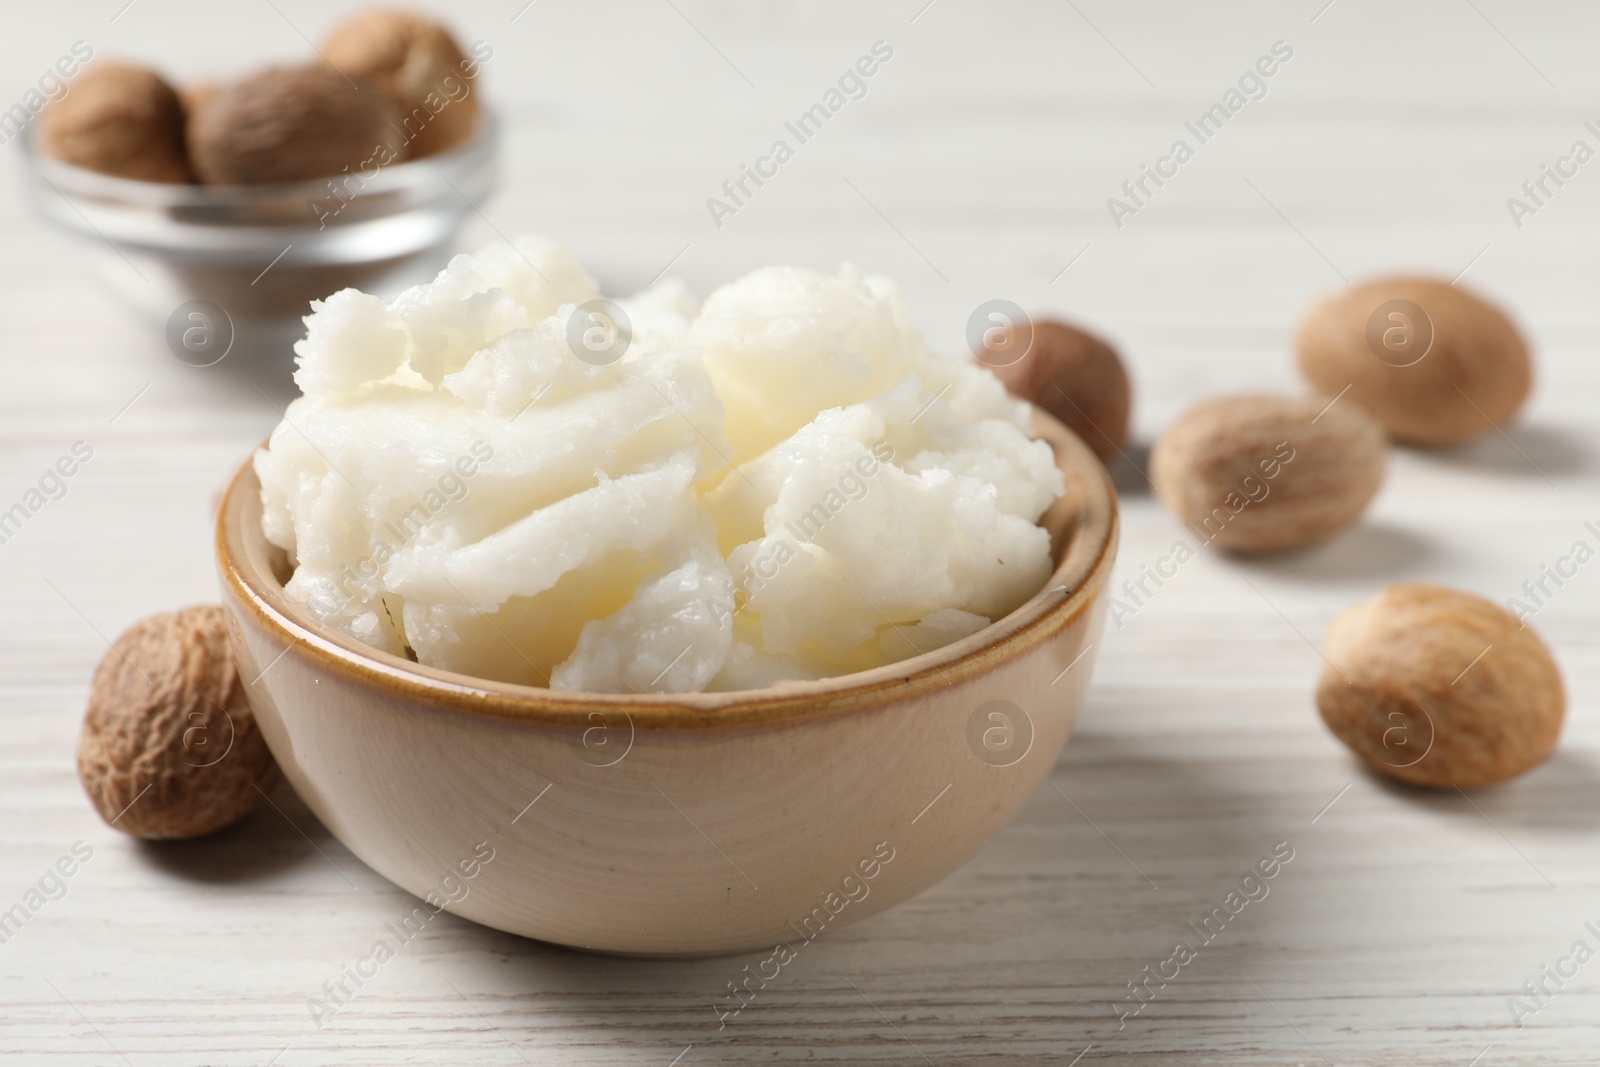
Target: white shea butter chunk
[(456, 483), (901, 517), (779, 484)]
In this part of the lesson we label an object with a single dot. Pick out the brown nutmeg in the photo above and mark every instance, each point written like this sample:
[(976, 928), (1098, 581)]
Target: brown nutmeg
[(194, 94), (1262, 473), (1435, 364), (1076, 377), (118, 119), (290, 124), (170, 748), (1440, 688), (418, 63)]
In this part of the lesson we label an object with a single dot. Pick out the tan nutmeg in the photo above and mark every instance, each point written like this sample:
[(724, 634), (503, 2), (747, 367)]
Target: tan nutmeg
[(1435, 364), (1263, 472), (1440, 688), (417, 62), (194, 94), (170, 748), (1073, 375), (118, 119), (290, 124)]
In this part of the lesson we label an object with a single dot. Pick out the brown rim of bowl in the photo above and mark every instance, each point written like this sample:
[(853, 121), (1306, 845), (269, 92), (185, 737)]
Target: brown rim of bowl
[(245, 565)]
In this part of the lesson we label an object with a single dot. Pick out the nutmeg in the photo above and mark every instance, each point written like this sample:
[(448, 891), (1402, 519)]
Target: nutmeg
[(1076, 377), (1435, 364), (118, 119), (418, 63), (1440, 688), (194, 94), (290, 124), (1261, 472), (170, 748)]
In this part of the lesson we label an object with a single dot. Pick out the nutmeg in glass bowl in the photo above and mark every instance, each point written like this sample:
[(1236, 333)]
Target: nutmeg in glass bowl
[(262, 253)]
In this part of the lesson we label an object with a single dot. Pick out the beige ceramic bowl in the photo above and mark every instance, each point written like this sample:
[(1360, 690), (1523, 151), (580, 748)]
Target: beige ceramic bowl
[(674, 824)]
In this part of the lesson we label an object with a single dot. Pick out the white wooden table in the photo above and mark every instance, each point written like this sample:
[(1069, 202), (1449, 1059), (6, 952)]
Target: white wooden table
[(978, 165)]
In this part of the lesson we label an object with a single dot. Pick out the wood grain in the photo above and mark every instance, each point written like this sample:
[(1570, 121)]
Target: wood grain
[(977, 165)]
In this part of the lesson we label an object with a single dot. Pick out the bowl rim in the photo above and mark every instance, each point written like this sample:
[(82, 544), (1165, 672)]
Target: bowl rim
[(69, 179), (1072, 588)]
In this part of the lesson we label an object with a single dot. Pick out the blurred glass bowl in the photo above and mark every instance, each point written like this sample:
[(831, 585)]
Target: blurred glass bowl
[(262, 253)]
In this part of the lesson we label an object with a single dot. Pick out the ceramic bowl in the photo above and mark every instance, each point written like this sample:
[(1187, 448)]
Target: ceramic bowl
[(674, 824)]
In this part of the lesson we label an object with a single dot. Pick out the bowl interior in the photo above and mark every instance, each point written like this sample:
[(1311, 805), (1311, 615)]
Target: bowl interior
[(1083, 530)]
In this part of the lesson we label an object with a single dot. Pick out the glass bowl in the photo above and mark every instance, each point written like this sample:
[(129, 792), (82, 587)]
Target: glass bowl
[(262, 253)]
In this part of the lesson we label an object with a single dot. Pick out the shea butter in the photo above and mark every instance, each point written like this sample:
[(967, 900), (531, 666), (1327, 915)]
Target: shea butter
[(779, 483)]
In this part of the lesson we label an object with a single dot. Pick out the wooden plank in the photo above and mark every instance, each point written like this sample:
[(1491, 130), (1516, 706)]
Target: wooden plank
[(1404, 921)]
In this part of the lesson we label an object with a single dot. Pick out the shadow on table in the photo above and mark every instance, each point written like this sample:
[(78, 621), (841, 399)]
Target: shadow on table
[(1129, 470), (262, 845), (1111, 778), (259, 371), (1375, 550), (1523, 451), (1560, 796)]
